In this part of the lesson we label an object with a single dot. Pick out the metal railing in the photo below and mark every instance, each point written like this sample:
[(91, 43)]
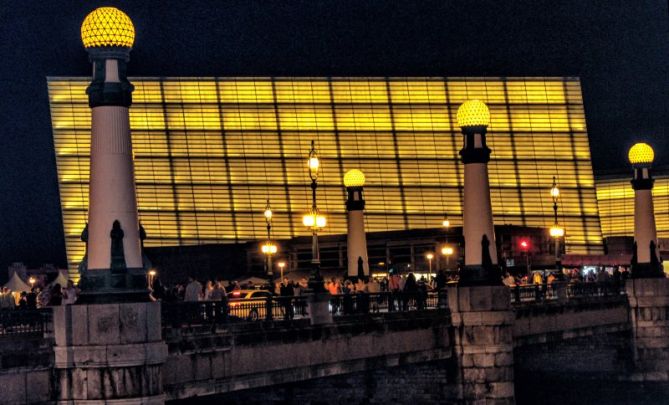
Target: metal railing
[(350, 304), (211, 313), (563, 291), (25, 322)]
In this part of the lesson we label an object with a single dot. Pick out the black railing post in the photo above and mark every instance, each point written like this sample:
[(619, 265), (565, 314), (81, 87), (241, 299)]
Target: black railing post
[(269, 306)]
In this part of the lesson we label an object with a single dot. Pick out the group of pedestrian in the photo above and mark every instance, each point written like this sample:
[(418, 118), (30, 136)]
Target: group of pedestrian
[(39, 297)]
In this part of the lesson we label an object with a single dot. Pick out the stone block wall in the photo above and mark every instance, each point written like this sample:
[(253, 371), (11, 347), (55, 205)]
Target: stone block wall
[(483, 343), (649, 311), (107, 352), (258, 355), (426, 383)]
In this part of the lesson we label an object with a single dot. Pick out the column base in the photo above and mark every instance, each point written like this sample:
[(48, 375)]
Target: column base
[(102, 286), (647, 270), (483, 323), (108, 353), (478, 275)]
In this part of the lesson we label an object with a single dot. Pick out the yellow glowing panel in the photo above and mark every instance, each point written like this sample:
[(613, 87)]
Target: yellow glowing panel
[(359, 91), (243, 91), (307, 91), (418, 92)]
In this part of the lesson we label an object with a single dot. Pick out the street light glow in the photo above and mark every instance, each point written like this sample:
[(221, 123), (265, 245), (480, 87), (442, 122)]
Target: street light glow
[(557, 231), (314, 220), (446, 250), (269, 248), (429, 256)]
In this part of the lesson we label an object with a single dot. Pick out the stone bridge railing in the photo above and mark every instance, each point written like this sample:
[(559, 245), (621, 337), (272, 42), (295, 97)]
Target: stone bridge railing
[(476, 333)]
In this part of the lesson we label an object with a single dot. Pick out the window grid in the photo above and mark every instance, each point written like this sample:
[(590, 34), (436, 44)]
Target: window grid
[(209, 152)]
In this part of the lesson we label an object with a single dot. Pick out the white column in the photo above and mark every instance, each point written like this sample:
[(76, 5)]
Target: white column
[(112, 188), (356, 243), (644, 224), (477, 218)]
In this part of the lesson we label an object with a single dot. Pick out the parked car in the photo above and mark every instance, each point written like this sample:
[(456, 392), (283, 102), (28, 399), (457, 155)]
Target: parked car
[(248, 304)]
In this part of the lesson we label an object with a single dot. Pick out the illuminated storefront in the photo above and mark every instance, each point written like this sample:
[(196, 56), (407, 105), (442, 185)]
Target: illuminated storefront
[(209, 153)]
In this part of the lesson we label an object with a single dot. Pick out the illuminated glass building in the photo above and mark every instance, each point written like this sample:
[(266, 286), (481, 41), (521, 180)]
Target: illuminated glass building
[(210, 151), (615, 197)]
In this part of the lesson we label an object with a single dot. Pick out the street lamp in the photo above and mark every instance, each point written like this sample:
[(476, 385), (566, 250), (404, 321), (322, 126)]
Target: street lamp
[(446, 223), (32, 282), (429, 257), (447, 251), (152, 274), (269, 248), (556, 231), (314, 221), (281, 265)]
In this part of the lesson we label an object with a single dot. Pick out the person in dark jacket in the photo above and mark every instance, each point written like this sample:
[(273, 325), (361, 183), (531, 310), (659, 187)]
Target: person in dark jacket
[(56, 296), (410, 290), (287, 291)]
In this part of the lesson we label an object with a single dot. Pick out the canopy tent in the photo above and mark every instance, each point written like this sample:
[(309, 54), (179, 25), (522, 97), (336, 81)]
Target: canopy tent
[(61, 279), (15, 284)]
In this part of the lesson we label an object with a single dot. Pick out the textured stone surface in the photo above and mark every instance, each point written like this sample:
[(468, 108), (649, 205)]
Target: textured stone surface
[(113, 358), (649, 310)]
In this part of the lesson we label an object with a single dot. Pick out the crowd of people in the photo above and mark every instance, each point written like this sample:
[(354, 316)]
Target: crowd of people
[(616, 277), (39, 297)]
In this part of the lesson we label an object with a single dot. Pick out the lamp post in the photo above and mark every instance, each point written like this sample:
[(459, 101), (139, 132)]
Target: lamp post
[(429, 257), (447, 251), (114, 269), (556, 230), (281, 265), (645, 260), (314, 221), (268, 248), (32, 282), (152, 275), (481, 266)]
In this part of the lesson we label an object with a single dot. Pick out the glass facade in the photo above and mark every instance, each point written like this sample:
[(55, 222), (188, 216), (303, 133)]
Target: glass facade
[(209, 152), (615, 197)]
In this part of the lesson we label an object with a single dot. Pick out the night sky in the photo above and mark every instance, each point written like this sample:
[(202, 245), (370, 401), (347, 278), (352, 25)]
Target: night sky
[(619, 49)]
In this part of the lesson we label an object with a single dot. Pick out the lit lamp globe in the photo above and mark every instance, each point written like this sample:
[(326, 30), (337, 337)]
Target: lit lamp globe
[(473, 116), (107, 27), (354, 179), (641, 155), (557, 231), (314, 220)]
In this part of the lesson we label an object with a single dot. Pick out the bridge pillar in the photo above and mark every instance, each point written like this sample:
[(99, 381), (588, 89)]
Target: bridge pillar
[(483, 327), (111, 353), (649, 312)]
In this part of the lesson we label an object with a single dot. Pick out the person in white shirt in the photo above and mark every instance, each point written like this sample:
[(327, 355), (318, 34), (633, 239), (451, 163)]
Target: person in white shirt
[(193, 290)]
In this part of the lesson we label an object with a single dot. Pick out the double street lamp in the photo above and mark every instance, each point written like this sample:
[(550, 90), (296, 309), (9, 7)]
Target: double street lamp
[(314, 221), (269, 248), (556, 231)]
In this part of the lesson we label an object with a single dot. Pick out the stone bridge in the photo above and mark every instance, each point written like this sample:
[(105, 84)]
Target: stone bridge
[(466, 351)]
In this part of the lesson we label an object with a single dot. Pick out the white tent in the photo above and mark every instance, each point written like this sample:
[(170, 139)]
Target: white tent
[(61, 279), (15, 284)]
